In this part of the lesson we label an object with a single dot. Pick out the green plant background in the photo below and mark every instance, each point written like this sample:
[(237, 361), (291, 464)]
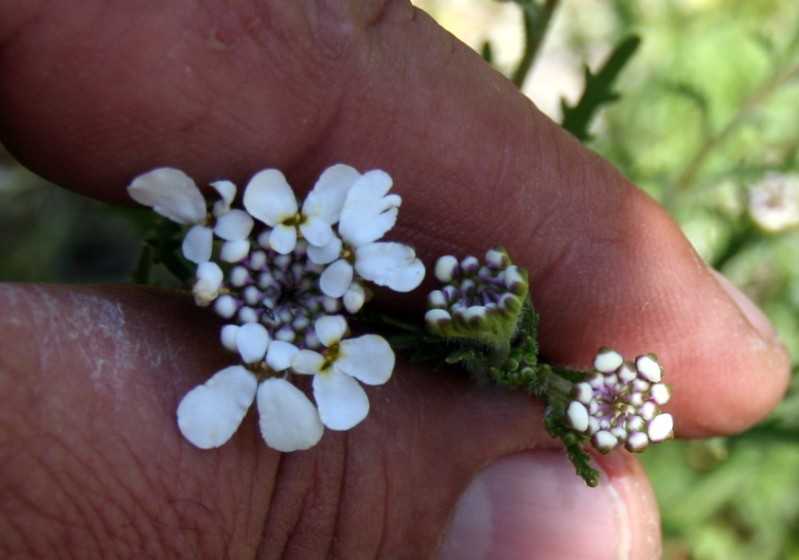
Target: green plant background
[(709, 103)]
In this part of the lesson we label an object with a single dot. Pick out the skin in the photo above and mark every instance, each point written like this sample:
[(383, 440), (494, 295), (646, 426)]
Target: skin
[(94, 93)]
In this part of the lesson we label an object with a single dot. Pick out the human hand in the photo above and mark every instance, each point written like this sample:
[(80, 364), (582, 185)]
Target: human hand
[(92, 463)]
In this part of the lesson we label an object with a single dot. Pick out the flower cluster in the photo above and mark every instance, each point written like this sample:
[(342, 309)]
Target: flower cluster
[(479, 301), (619, 403), (283, 275)]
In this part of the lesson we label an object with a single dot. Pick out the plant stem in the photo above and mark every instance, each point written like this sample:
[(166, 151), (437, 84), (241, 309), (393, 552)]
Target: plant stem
[(536, 22)]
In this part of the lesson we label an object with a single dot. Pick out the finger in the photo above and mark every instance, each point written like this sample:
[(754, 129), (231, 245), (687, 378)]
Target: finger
[(222, 94), (91, 460)]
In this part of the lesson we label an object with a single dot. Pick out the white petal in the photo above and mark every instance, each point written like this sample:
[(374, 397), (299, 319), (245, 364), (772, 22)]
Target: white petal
[(209, 280), (354, 298), (198, 243), (367, 213), (330, 329), (328, 195), (171, 193), (368, 358), (283, 239), (234, 251), (327, 253), (336, 278), (209, 414), (341, 400), (288, 420), (227, 192), (269, 198), (316, 231), (233, 226), (252, 341), (280, 355), (389, 264), (308, 362)]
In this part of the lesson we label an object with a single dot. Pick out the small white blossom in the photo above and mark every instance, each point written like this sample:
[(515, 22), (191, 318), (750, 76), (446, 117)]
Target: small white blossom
[(174, 195), (369, 359), (367, 214), (774, 202), (269, 198)]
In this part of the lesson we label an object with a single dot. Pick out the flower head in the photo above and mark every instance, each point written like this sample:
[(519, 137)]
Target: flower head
[(269, 278), (480, 301), (619, 403)]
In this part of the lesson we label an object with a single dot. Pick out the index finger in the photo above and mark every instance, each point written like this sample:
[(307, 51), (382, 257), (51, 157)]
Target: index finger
[(222, 92)]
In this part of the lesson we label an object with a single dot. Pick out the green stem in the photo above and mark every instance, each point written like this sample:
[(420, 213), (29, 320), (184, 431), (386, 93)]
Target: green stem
[(536, 22)]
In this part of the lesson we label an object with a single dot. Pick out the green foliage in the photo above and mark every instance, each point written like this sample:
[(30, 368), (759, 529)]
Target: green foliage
[(162, 247)]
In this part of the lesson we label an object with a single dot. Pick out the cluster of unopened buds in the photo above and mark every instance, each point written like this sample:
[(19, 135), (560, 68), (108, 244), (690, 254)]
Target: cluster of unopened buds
[(619, 403), (286, 277), (479, 300)]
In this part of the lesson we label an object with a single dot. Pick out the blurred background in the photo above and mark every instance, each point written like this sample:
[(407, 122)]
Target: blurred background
[(707, 122)]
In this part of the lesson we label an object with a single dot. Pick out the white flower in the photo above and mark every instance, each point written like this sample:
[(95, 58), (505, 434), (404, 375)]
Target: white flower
[(270, 199), (174, 195), (341, 400), (368, 213), (277, 297), (209, 414), (774, 202)]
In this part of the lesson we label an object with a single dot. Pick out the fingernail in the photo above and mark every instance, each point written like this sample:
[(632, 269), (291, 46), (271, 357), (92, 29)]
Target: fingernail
[(533, 505), (752, 312)]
